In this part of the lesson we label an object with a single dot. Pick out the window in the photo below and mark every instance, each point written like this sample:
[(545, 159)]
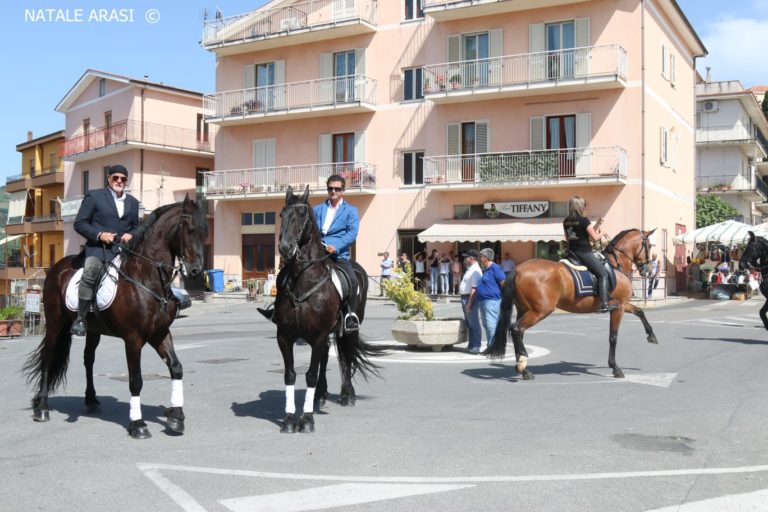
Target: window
[(86, 176), (665, 62), (343, 149), (344, 71), (550, 250), (108, 127), (246, 219), (664, 146), (413, 168), (54, 161), (86, 134), (468, 211), (102, 87), (561, 37), (32, 166), (477, 49), (202, 133), (257, 219), (414, 9), (106, 175), (412, 79)]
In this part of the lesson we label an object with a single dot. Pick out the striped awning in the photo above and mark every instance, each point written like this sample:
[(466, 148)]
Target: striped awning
[(529, 230), (728, 232)]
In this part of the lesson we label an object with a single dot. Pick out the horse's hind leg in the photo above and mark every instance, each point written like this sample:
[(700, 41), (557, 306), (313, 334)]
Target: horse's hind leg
[(763, 316), (92, 404), (175, 413), (613, 335), (321, 394), (639, 313), (524, 321), (343, 345), (288, 425)]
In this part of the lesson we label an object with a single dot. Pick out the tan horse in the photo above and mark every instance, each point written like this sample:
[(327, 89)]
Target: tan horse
[(538, 287)]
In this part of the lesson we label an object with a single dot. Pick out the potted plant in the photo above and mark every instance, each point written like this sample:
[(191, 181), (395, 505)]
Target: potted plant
[(11, 321), (253, 286), (441, 82), (456, 81), (416, 325)]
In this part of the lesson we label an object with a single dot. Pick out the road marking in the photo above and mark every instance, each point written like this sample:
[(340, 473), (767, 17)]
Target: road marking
[(732, 503), (450, 357), (661, 380), (332, 496)]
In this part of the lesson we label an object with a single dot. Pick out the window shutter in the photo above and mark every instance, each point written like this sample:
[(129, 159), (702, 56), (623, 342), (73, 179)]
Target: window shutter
[(664, 61), (359, 147), (536, 46), (453, 167), (537, 136), (582, 40), (326, 158), (279, 85), (482, 139), (360, 61), (249, 75), (495, 51), (264, 160), (360, 92), (583, 143), (454, 48), (452, 141), (672, 68), (663, 145), (326, 73)]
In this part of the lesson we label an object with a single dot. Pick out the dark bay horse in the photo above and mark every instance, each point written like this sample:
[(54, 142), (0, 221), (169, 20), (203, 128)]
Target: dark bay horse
[(537, 287), (308, 306), (755, 255), (142, 312)]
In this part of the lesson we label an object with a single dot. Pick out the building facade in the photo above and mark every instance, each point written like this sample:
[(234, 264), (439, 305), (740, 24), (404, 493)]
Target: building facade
[(731, 148), (155, 130), (456, 123)]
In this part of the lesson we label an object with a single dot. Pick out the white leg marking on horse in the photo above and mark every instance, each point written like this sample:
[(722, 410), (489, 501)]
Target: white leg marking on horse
[(290, 405), (309, 400), (135, 411)]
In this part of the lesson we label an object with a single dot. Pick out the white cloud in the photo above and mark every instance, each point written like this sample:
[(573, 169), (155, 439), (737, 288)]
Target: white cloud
[(737, 49)]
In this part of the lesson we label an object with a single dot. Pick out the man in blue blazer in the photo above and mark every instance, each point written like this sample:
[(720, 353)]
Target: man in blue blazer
[(105, 215), (339, 223)]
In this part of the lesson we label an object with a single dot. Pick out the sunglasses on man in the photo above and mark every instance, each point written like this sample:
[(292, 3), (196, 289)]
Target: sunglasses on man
[(119, 179), (335, 189)]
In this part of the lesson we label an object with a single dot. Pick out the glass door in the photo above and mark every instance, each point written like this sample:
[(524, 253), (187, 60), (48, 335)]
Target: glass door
[(561, 135), (476, 64), (265, 91), (560, 43), (344, 73), (344, 154), (468, 149)]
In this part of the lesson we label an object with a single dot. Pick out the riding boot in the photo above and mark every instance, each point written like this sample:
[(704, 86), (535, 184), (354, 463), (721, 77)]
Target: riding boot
[(351, 321), (268, 312), (605, 305), (79, 328)]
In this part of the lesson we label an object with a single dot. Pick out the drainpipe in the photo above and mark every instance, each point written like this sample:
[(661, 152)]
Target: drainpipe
[(141, 151), (642, 115)]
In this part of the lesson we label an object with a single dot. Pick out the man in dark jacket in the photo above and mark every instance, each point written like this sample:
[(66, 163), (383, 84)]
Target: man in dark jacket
[(105, 215)]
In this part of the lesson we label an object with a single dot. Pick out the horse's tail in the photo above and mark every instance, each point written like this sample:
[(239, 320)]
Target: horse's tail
[(54, 355), (499, 346), (356, 353)]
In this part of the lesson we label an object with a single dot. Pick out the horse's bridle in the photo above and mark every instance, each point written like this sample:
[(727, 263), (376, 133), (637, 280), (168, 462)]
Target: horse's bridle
[(642, 267), (294, 253)]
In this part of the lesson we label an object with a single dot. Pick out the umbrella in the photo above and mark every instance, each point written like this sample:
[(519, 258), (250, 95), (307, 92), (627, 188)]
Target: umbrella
[(728, 232)]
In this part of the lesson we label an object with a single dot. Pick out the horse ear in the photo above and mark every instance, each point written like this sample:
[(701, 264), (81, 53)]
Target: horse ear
[(288, 194), (649, 233), (187, 204), (305, 195), (751, 236)]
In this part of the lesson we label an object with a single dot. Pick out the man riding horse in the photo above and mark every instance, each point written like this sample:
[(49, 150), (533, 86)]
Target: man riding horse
[(339, 223)]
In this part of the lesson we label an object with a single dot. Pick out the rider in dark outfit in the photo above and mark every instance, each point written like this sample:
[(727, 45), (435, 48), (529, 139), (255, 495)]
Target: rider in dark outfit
[(578, 233)]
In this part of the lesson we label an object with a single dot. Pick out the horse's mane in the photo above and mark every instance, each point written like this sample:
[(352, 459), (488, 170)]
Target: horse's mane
[(294, 200), (148, 227), (612, 244)]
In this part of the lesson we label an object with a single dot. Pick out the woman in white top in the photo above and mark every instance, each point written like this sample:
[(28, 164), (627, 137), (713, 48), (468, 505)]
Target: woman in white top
[(445, 269), (420, 270)]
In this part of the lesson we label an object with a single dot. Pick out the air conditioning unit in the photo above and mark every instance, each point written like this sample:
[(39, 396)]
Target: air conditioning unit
[(710, 106)]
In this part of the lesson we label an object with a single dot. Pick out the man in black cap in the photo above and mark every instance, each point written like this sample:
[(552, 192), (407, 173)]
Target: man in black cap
[(106, 215)]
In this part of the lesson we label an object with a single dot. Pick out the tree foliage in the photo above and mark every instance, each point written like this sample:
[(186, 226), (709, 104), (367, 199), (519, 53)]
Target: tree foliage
[(710, 209)]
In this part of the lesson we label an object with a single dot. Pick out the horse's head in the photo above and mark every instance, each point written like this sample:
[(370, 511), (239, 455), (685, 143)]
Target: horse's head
[(755, 254), (632, 246), (191, 235), (296, 223)]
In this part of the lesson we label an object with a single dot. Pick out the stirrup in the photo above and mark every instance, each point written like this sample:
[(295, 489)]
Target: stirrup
[(608, 307), (79, 328), (351, 322)]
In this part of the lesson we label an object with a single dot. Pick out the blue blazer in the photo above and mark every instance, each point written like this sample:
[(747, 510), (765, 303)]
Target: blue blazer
[(98, 213), (343, 230)]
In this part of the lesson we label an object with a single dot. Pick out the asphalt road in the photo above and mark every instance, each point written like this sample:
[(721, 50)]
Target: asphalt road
[(684, 431)]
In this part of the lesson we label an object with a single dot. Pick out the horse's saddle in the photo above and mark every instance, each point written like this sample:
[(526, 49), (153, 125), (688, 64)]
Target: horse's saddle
[(341, 281), (584, 282), (106, 291)]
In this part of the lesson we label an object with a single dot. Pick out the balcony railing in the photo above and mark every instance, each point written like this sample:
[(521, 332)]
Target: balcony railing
[(12, 221), (46, 218), (138, 132), (284, 98), (311, 15), (729, 133), (359, 176), (528, 167), (69, 208), (735, 182), (17, 177), (577, 64)]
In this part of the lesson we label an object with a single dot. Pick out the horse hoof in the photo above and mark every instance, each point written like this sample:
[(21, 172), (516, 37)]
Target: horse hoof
[(527, 375), (320, 400), (175, 417), (652, 339), (288, 426), (617, 373), (41, 415), (347, 401), (137, 429), (307, 423), (92, 405), (522, 364)]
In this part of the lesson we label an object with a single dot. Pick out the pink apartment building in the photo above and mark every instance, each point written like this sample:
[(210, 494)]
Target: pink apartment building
[(155, 130), (457, 123)]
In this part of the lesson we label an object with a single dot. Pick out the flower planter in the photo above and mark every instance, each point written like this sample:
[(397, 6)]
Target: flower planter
[(11, 328), (436, 333)]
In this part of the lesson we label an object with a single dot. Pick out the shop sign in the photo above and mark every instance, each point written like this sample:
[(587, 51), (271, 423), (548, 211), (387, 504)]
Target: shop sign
[(523, 209)]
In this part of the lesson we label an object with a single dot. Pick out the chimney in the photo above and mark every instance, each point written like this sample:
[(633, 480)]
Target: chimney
[(29, 135), (709, 75)]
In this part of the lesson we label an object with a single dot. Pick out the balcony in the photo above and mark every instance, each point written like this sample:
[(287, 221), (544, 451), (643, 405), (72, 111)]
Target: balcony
[(315, 98), (17, 183), (301, 23), (272, 182), (129, 134), (46, 177), (446, 10), (550, 168), (18, 226), (750, 188), (578, 69), (47, 223), (70, 207), (737, 135)]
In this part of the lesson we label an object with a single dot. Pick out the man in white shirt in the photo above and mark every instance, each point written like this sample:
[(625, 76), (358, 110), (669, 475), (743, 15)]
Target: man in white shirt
[(386, 270), (470, 307)]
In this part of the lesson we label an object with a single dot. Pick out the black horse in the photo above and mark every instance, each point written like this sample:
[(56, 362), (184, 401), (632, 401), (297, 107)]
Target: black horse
[(142, 312), (308, 306), (755, 255)]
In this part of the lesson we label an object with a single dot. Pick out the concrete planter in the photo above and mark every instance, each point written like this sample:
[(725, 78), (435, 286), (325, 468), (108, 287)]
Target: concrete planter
[(436, 333), (11, 328)]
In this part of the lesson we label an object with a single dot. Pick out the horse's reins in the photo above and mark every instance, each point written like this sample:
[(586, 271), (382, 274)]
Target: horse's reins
[(642, 267)]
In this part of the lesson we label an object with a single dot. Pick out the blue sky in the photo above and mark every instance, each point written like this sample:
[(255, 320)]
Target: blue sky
[(43, 59)]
